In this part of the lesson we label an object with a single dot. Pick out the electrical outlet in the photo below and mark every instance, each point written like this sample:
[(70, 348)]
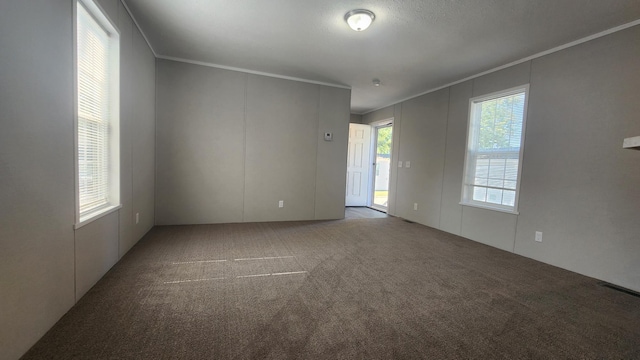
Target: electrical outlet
[(539, 236), (415, 206), (137, 218), (281, 203)]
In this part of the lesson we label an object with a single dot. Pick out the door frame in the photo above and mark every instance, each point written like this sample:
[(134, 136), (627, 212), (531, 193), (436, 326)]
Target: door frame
[(374, 155)]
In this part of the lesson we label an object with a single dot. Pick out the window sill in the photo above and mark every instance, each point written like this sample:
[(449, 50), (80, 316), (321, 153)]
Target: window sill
[(87, 219), (632, 143), (506, 211)]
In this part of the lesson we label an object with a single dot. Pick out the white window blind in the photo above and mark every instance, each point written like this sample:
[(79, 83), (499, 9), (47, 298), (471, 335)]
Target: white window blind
[(93, 112), (493, 158)]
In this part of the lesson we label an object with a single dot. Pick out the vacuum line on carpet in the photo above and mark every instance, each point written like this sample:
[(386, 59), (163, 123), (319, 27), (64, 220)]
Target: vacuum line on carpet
[(192, 280), (264, 258), (248, 276), (197, 262), (290, 273), (273, 274)]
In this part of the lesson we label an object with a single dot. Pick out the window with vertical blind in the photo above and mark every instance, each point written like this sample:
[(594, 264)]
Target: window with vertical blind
[(97, 111), (493, 159)]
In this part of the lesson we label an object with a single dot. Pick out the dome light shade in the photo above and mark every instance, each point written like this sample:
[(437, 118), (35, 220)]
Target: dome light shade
[(360, 19)]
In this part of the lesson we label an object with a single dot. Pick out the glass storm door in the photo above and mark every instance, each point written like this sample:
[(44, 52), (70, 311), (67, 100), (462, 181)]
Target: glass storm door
[(382, 167)]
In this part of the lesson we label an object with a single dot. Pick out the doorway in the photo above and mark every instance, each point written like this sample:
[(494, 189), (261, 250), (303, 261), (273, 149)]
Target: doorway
[(369, 165), (382, 136)]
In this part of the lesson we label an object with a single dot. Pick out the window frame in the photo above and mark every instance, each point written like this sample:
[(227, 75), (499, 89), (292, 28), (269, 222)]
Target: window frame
[(472, 131), (113, 141)]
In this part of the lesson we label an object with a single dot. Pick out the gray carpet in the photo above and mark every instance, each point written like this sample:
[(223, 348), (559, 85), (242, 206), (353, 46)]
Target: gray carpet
[(349, 289)]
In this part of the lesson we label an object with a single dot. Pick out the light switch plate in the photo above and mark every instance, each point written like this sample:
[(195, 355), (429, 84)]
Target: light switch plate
[(399, 163), (407, 164)]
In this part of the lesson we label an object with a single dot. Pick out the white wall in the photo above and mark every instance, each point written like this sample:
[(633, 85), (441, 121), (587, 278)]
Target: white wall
[(40, 252), (579, 187), (36, 171), (331, 156), (424, 120), (200, 135), (231, 145)]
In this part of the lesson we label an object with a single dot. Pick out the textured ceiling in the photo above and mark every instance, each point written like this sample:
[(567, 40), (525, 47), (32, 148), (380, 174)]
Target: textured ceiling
[(412, 46)]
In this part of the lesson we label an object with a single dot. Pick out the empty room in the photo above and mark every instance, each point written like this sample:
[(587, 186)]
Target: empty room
[(420, 179)]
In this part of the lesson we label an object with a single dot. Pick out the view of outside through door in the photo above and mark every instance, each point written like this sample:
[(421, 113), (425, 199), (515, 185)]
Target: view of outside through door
[(383, 166)]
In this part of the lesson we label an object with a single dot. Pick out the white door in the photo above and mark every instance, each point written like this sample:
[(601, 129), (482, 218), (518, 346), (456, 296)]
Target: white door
[(358, 162)]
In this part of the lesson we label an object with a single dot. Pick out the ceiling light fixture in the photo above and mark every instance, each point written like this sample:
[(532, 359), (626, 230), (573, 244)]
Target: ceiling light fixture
[(359, 19), (376, 82)]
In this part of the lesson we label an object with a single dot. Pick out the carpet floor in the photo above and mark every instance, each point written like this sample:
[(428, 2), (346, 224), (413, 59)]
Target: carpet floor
[(348, 289)]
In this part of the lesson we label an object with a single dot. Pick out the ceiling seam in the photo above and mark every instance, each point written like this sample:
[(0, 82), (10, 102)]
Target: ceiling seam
[(248, 71), (523, 60), (139, 28)]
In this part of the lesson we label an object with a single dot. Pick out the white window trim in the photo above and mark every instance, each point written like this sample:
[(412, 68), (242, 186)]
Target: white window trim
[(89, 218), (477, 99), (114, 179)]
